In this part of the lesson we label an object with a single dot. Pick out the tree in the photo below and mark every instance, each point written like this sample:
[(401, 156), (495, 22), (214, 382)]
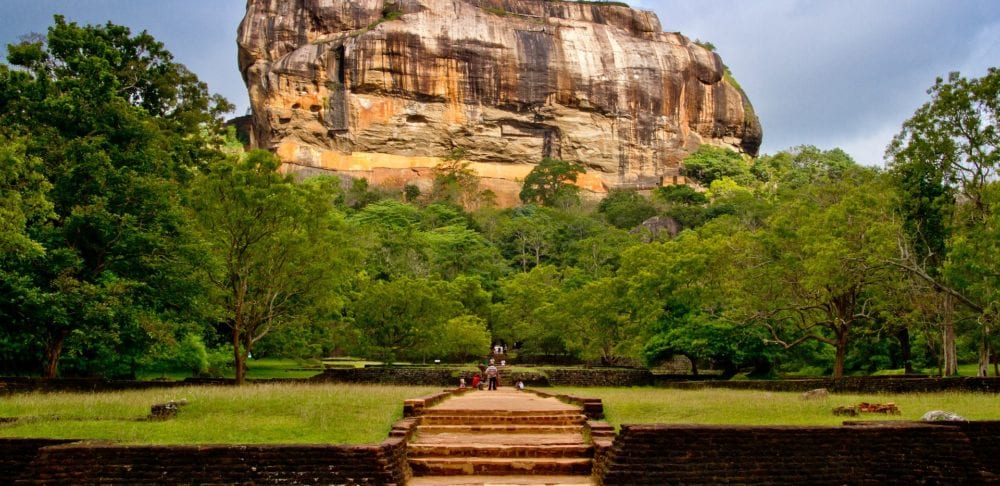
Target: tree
[(626, 209), (418, 318), (551, 182), (798, 166), (601, 321), (529, 312), (528, 237), (275, 250), (710, 163), (816, 271), (455, 181), (120, 128), (943, 161)]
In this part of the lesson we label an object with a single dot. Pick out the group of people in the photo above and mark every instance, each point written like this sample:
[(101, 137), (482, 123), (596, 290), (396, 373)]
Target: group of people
[(489, 374)]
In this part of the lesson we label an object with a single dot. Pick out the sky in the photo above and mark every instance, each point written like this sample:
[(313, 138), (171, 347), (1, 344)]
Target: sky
[(829, 73)]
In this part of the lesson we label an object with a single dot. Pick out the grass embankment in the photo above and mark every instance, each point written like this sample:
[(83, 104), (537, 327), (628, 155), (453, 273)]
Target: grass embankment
[(717, 406), (256, 414)]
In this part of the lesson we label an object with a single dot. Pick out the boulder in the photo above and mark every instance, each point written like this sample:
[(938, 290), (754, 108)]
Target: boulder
[(942, 416)]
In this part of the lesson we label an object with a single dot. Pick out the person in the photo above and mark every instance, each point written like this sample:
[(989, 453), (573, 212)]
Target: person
[(475, 382), (461, 382), (493, 375)]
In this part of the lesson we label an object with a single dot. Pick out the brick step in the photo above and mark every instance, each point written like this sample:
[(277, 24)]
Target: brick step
[(501, 481), (480, 438), (499, 412), (499, 429), (503, 419), (416, 450), (446, 466)]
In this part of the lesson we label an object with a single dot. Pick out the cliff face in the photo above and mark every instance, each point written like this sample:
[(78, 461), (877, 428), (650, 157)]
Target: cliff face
[(384, 88)]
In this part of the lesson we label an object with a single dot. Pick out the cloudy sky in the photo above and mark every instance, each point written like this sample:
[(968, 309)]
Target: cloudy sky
[(831, 73)]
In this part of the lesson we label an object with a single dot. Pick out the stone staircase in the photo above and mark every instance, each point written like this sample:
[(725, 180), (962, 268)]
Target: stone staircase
[(484, 446)]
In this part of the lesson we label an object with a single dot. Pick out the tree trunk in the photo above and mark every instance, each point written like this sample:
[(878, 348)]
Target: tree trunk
[(904, 350), (838, 365), (52, 353), (239, 358), (948, 346), (984, 354)]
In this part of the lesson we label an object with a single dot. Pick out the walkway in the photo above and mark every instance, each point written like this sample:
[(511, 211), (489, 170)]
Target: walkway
[(503, 437)]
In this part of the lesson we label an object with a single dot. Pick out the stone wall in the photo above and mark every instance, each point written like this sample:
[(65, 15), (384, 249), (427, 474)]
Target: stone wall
[(402, 375), (17, 454), (447, 376), (867, 384), (442, 376), (612, 377), (103, 463), (890, 453), (985, 440), (11, 385)]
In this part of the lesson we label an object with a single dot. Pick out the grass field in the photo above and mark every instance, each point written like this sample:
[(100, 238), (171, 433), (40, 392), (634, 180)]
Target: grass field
[(356, 414), (718, 406), (274, 413)]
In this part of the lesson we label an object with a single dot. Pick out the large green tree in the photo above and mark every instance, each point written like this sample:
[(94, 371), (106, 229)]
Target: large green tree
[(276, 251), (816, 270), (943, 161), (420, 319), (108, 128)]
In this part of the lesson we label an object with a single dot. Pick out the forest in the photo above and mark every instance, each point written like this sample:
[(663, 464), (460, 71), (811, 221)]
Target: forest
[(137, 234)]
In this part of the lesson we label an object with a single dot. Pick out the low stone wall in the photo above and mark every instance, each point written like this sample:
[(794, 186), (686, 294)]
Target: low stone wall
[(102, 463), (402, 375), (609, 377), (443, 376), (11, 385), (866, 384), (17, 454), (593, 408), (890, 453)]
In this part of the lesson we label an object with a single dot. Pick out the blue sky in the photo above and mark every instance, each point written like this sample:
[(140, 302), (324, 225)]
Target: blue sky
[(842, 73)]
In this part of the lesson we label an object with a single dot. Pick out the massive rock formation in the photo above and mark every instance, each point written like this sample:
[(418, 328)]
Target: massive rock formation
[(385, 88)]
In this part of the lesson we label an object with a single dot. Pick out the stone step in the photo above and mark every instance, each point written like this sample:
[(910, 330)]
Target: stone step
[(499, 429), (500, 451), (546, 419), (469, 466), (480, 438), (502, 481), (499, 412)]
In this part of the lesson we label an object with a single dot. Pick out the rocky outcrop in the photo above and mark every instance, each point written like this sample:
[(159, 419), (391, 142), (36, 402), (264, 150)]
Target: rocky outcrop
[(385, 88)]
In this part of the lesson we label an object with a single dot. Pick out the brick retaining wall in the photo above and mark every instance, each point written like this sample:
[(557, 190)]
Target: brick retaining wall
[(17, 454), (889, 453), (445, 376), (868, 384), (104, 463), (439, 376)]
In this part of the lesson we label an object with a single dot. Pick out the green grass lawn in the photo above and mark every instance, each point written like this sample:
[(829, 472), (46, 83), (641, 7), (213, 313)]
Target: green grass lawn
[(254, 414), (256, 369), (719, 406)]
